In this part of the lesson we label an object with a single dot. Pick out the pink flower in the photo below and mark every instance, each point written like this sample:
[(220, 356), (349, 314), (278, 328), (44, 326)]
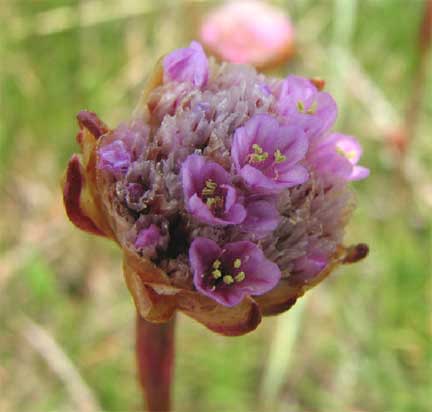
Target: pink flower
[(187, 65), (337, 155), (309, 265), (305, 106), (230, 273), (148, 237), (248, 32), (115, 158), (267, 154), (262, 218), (126, 143), (208, 195)]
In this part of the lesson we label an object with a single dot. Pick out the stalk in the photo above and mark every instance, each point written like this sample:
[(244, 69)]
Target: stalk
[(155, 361)]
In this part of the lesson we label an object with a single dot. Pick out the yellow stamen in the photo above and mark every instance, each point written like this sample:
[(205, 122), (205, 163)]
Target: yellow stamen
[(279, 157), (257, 148), (216, 264), (313, 108), (300, 106), (259, 155), (210, 187), (349, 155), (217, 274), (228, 279), (240, 277), (211, 184), (237, 263), (216, 201)]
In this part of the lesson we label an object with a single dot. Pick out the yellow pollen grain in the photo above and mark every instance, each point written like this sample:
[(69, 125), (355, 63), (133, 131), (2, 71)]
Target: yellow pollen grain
[(228, 279), (240, 277), (237, 263), (217, 274)]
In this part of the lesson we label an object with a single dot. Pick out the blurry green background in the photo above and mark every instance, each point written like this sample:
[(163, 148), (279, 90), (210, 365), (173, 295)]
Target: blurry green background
[(359, 342)]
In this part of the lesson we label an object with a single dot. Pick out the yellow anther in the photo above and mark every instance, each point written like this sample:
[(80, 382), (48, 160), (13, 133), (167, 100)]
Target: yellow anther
[(349, 155), (237, 263), (259, 155), (228, 279), (207, 191), (240, 277), (300, 106), (217, 274), (279, 157), (216, 264), (257, 148), (210, 187), (211, 184), (313, 108), (216, 201)]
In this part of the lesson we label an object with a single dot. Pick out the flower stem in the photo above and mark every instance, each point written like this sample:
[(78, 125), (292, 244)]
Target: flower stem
[(155, 360)]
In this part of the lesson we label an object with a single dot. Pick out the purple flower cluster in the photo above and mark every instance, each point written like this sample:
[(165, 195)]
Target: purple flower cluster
[(236, 174)]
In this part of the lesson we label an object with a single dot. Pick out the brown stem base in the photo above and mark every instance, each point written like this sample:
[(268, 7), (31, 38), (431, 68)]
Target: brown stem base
[(155, 360)]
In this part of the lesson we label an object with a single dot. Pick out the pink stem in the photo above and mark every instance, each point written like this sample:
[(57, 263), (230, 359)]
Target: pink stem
[(155, 360)]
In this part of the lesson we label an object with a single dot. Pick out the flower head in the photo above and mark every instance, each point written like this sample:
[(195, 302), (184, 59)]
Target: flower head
[(227, 191), (249, 32)]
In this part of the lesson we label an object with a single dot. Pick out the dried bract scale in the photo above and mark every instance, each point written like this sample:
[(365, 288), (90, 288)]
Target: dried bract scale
[(227, 191)]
